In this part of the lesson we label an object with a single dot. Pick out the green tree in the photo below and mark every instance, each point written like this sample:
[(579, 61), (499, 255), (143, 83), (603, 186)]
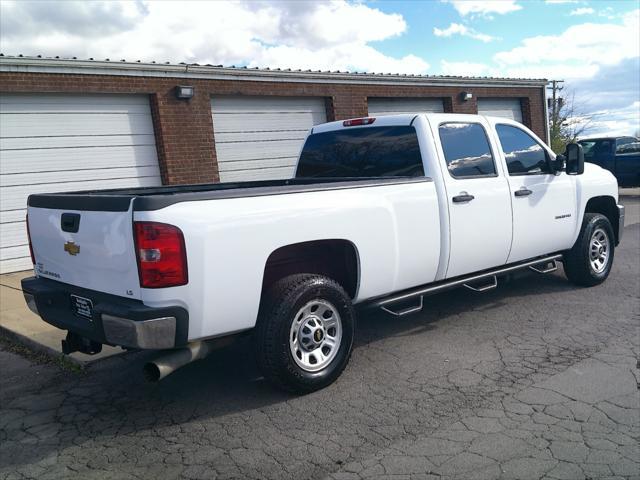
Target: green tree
[(567, 119)]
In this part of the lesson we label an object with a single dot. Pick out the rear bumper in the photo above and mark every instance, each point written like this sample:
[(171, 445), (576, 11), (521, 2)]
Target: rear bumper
[(620, 223), (115, 320)]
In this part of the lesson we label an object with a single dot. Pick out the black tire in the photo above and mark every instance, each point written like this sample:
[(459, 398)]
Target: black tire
[(280, 305), (577, 261)]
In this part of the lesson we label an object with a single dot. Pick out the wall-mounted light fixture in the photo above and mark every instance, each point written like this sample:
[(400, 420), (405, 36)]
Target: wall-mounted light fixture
[(464, 96), (184, 92)]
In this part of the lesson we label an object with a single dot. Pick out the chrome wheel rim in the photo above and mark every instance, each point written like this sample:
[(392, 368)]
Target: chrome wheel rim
[(315, 335), (599, 250)]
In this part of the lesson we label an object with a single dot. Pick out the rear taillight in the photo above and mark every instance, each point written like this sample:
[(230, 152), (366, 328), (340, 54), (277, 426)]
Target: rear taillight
[(33, 258), (358, 121), (161, 253)]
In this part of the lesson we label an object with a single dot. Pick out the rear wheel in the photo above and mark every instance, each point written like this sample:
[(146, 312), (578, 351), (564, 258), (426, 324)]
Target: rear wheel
[(589, 262), (304, 333)]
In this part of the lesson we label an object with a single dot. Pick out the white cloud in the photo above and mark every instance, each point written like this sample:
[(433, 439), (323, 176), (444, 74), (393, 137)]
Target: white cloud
[(463, 30), (466, 69), (605, 107), (614, 122), (326, 35), (355, 57), (484, 8), (560, 1), (524, 71), (582, 11), (578, 52), (559, 71), (608, 13)]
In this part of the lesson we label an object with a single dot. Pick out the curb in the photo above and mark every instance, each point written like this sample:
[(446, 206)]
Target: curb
[(52, 353), (37, 347)]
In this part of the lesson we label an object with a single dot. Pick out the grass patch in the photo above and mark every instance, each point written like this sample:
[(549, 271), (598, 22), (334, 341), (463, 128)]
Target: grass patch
[(41, 358)]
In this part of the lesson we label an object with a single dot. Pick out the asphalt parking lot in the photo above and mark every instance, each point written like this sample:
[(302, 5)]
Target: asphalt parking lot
[(537, 379)]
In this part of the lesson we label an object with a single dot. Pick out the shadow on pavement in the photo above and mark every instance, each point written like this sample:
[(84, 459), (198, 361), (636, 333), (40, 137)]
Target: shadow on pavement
[(112, 399)]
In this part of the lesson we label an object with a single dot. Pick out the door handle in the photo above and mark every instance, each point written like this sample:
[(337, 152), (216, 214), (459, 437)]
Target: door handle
[(523, 192), (463, 198)]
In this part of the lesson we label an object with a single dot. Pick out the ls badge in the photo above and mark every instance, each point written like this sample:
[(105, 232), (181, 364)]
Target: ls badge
[(71, 248)]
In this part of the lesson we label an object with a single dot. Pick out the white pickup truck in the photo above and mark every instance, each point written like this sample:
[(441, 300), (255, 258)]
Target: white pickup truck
[(381, 212)]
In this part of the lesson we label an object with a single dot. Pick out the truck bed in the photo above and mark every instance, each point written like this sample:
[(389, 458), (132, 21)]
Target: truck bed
[(155, 198)]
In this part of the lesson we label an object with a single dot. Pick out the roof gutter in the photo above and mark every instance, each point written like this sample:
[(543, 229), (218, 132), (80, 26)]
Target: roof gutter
[(138, 69)]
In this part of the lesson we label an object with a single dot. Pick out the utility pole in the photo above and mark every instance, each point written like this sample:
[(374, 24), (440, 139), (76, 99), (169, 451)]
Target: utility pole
[(556, 88), (556, 104)]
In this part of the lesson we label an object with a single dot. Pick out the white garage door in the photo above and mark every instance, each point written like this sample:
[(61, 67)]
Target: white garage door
[(62, 143), (393, 106), (501, 107), (259, 138)]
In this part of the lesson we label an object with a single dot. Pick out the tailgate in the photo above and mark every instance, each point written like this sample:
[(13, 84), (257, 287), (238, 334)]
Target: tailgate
[(89, 249)]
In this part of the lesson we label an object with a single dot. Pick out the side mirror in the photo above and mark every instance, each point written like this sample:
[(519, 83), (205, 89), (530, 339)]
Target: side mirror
[(558, 164), (575, 159)]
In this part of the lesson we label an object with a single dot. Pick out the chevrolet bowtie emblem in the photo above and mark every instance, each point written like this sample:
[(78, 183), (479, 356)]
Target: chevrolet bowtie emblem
[(71, 248)]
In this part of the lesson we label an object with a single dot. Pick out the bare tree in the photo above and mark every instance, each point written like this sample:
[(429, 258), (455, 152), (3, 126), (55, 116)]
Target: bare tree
[(568, 119)]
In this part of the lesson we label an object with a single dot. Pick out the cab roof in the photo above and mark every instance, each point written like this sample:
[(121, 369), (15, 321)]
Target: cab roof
[(400, 119)]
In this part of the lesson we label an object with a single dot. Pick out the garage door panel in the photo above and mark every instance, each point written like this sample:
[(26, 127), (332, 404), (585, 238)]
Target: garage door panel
[(16, 264), (256, 150), (259, 174), (251, 104), (13, 234), (501, 107), (21, 251), (39, 178), (16, 197), (279, 121), (259, 138), (260, 163), (9, 216), (78, 141), (51, 124), (240, 137), (79, 99), (60, 143), (394, 106), (71, 108), (40, 160)]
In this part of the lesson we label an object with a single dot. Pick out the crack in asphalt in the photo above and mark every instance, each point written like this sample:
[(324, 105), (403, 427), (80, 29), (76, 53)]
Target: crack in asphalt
[(538, 379)]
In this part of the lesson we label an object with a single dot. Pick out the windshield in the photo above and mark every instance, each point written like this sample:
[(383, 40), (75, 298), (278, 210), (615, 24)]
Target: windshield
[(596, 148)]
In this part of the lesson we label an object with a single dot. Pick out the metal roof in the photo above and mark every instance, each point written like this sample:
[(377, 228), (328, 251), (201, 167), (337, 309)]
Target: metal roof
[(41, 64)]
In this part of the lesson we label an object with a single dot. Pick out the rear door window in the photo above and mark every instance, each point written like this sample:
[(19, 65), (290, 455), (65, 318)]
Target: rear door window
[(466, 150), (362, 152), (626, 145)]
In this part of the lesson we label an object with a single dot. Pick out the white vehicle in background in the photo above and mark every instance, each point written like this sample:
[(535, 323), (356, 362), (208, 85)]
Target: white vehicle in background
[(381, 212)]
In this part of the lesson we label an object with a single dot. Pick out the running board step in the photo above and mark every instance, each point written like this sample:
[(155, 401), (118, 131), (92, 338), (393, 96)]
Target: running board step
[(405, 311), (541, 265), (493, 283), (546, 267)]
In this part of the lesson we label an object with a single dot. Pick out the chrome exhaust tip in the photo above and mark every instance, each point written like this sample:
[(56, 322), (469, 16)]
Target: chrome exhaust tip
[(151, 372), (171, 360)]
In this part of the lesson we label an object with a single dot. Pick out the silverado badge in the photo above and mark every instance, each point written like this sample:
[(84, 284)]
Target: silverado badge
[(71, 248)]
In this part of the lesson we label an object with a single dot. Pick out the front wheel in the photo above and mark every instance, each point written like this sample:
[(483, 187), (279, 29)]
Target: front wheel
[(589, 262), (304, 333)]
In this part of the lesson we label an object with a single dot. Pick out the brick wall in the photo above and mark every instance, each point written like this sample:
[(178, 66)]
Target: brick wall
[(184, 129)]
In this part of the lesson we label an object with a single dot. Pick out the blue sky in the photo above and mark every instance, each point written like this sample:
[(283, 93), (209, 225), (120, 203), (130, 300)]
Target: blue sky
[(593, 45), (532, 18)]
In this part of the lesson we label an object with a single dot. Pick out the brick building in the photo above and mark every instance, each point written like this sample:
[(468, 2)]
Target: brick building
[(83, 124)]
